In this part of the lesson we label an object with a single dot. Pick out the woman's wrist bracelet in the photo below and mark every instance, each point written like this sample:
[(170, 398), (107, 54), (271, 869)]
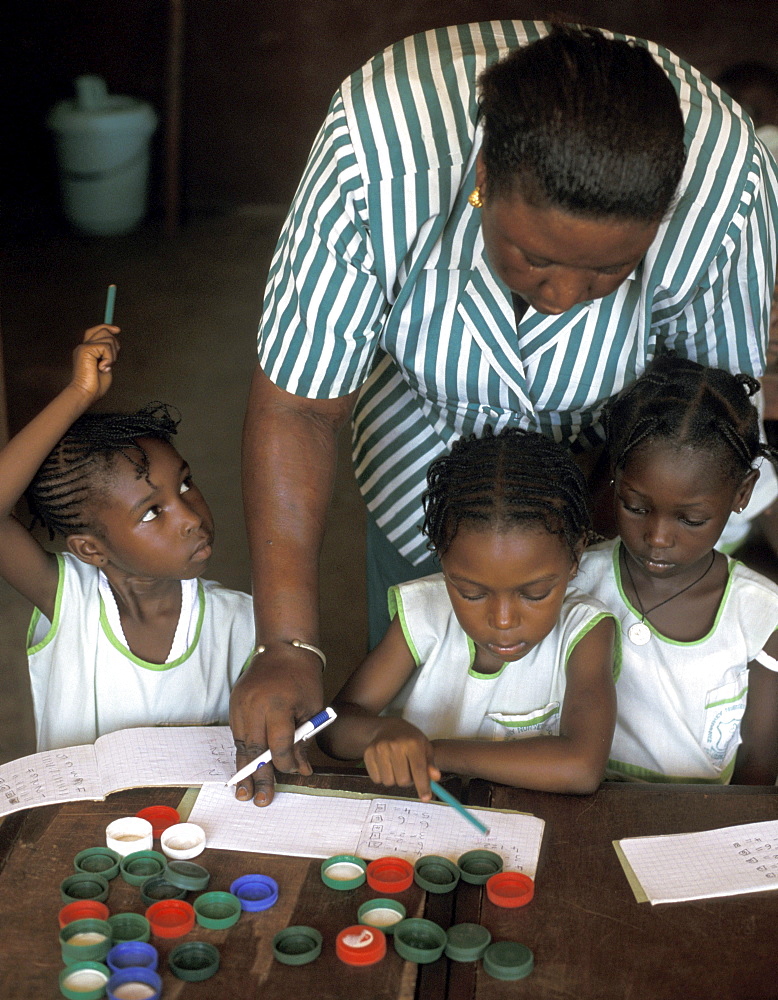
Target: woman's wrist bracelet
[(300, 645)]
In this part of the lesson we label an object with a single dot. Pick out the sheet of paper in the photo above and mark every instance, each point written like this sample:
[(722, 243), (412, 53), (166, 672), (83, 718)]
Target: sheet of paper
[(724, 862), (321, 825), (49, 777)]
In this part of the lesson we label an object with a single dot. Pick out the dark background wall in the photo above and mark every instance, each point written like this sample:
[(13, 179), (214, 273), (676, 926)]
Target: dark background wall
[(258, 75)]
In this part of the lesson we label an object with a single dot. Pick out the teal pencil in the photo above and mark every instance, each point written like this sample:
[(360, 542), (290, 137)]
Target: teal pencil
[(110, 299), (456, 804)]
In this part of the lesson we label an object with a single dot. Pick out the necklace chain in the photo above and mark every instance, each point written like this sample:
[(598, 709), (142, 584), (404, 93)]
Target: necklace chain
[(644, 614)]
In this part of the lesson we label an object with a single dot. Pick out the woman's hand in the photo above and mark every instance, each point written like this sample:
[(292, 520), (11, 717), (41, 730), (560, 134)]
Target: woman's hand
[(93, 361), (402, 755)]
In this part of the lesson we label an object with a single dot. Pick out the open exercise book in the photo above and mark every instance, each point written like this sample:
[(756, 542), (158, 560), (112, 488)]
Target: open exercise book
[(724, 862), (301, 821)]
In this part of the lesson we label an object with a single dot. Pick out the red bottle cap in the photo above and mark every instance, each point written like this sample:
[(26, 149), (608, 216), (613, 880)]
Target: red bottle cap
[(390, 874), (170, 918), (360, 945), (510, 889), (160, 817), (82, 909)]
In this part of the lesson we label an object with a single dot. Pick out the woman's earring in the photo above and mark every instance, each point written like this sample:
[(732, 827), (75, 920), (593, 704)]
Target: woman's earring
[(475, 198)]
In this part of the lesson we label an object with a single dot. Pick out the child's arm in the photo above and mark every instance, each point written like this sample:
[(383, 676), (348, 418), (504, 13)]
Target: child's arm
[(25, 564), (395, 752), (757, 756), (572, 762)]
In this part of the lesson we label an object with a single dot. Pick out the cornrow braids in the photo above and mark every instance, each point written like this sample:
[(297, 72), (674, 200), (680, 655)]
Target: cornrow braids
[(692, 406), (513, 478), (72, 474)]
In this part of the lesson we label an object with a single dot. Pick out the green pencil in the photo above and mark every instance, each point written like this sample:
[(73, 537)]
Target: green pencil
[(110, 299), (456, 804)]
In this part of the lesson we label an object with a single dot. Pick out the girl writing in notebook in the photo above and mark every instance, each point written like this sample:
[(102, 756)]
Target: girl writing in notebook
[(698, 688), (496, 667), (124, 632)]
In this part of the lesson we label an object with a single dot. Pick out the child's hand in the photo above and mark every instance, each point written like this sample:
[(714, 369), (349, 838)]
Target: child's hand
[(402, 755), (93, 360)]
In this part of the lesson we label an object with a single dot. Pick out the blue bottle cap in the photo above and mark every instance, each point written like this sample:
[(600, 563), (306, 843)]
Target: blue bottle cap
[(145, 977), (255, 892), (132, 955)]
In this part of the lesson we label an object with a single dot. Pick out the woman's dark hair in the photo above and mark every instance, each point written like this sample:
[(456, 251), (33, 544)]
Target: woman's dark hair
[(77, 471), (513, 478), (691, 406), (588, 124)]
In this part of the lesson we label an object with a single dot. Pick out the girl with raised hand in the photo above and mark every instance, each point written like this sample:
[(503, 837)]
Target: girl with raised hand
[(123, 633), (496, 667), (698, 688)]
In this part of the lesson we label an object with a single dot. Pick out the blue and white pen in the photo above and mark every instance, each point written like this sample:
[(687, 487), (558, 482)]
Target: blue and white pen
[(304, 732)]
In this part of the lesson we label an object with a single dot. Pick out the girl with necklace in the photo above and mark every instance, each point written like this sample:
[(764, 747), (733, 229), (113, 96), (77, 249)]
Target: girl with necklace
[(698, 688)]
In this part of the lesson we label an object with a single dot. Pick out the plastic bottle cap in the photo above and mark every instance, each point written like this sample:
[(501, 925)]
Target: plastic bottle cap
[(129, 927), (419, 940), (170, 918), (255, 892), (84, 981), (98, 860), (87, 940), (508, 960), (510, 889), (158, 887), (436, 874), (194, 961), (467, 942), (390, 874), (81, 909), (132, 955), (343, 871), (84, 886), (187, 875), (160, 817), (129, 834), (297, 945), (360, 945), (134, 984), (217, 910), (476, 867), (182, 841), (142, 865), (383, 913)]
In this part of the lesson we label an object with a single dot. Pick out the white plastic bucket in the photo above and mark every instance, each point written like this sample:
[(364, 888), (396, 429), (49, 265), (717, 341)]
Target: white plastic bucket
[(102, 144)]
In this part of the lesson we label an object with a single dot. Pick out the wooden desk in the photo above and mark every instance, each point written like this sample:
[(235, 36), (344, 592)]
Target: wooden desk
[(591, 939)]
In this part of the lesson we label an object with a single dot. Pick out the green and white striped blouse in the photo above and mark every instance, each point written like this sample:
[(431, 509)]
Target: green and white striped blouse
[(380, 280)]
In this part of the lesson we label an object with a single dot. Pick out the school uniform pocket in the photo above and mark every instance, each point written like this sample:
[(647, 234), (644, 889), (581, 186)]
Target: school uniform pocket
[(724, 708), (515, 726)]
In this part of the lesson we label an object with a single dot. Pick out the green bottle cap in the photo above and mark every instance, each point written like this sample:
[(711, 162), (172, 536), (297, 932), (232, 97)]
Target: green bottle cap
[(297, 945), (84, 885), (477, 866), (508, 960), (419, 940), (217, 910), (194, 961), (435, 873), (343, 871), (382, 913), (157, 887), (98, 861), (129, 927), (84, 980), (87, 940), (141, 865), (467, 942), (187, 875)]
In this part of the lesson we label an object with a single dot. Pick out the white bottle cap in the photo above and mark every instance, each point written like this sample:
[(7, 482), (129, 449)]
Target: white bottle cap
[(183, 841), (129, 834)]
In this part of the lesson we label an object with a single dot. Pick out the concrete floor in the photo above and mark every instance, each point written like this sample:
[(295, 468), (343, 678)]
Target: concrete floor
[(188, 308)]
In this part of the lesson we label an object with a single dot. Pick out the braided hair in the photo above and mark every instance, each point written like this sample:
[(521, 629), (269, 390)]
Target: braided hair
[(513, 478), (77, 471), (690, 406)]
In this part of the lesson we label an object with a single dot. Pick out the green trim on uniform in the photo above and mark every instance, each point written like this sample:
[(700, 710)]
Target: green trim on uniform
[(636, 773), (37, 614)]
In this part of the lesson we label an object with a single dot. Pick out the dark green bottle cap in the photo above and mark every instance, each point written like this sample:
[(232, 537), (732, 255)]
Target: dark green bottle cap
[(87, 940), (343, 871), (436, 874), (129, 927), (142, 865), (84, 885), (158, 887), (98, 861), (297, 945), (194, 961), (478, 866), (187, 875), (467, 942), (382, 913), (419, 940), (84, 980), (508, 960), (217, 910)]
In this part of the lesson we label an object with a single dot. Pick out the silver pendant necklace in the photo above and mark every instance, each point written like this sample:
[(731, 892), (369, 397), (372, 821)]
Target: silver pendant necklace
[(639, 633)]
